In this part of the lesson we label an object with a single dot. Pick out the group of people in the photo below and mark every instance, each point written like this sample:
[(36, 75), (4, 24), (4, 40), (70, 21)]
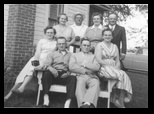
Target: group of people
[(96, 54)]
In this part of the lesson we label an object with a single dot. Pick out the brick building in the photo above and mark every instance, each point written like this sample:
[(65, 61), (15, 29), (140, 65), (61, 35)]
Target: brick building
[(24, 24)]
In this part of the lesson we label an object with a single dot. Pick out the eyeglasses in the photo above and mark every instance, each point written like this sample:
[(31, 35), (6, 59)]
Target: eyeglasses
[(61, 44), (86, 45)]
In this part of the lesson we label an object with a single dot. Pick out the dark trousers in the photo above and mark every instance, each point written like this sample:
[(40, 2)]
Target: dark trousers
[(48, 79), (75, 47), (122, 65)]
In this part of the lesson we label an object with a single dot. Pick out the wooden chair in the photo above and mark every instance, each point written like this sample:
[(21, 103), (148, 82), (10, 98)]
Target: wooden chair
[(53, 88), (107, 93), (62, 89)]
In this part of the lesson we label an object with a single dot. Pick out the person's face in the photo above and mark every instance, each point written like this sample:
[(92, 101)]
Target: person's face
[(78, 19), (61, 44), (63, 19), (97, 20), (112, 19), (49, 33), (85, 46), (107, 36)]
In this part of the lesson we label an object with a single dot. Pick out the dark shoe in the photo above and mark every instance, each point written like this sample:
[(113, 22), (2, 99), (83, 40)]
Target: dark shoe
[(91, 106), (17, 92), (45, 106), (125, 69), (85, 106)]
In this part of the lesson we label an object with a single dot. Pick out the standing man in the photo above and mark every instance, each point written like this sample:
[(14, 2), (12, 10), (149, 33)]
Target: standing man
[(79, 29), (85, 66), (119, 36), (58, 72)]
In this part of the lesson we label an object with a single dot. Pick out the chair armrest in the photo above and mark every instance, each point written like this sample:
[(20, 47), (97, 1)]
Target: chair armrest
[(40, 70)]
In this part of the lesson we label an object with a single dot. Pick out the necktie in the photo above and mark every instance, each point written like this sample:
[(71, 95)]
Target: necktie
[(111, 28)]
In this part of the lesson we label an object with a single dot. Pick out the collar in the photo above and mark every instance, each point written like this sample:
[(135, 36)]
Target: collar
[(100, 26), (85, 53), (63, 51), (74, 25), (112, 26)]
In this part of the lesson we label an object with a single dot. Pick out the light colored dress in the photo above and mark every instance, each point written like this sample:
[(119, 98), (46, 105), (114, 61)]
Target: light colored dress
[(110, 72), (66, 32), (44, 47), (94, 35)]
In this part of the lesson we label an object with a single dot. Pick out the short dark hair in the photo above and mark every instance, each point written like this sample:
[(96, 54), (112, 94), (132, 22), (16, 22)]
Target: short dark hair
[(108, 29), (61, 38), (84, 39), (49, 27), (60, 16)]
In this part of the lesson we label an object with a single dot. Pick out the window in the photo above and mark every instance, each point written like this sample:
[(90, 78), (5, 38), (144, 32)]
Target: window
[(55, 10)]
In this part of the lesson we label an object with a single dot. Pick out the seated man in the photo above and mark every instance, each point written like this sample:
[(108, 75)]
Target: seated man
[(85, 66), (57, 72)]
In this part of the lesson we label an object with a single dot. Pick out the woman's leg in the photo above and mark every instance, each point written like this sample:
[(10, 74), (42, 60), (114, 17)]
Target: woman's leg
[(10, 92), (26, 81), (121, 98)]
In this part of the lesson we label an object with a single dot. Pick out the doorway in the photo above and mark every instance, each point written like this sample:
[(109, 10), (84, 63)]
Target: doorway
[(96, 8)]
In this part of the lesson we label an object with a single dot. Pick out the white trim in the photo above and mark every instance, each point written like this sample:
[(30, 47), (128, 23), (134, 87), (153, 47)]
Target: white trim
[(88, 11), (103, 7), (66, 9), (47, 14)]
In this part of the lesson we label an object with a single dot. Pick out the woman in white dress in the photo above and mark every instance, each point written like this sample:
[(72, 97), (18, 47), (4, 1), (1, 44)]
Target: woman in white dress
[(107, 56), (44, 46)]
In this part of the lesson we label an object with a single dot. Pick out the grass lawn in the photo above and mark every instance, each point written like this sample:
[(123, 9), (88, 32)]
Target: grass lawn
[(140, 96)]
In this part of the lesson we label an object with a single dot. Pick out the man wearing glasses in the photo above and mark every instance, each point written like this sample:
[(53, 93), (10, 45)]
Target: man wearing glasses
[(84, 65), (57, 71)]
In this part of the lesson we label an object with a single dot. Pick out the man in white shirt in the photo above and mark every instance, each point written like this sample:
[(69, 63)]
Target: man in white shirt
[(79, 29)]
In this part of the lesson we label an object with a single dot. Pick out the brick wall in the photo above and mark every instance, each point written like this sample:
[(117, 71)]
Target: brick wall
[(20, 35)]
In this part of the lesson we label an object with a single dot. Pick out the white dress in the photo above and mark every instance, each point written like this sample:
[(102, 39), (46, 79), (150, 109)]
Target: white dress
[(44, 47)]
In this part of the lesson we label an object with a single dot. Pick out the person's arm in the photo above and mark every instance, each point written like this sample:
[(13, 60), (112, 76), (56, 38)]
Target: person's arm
[(75, 67), (92, 65), (99, 56), (85, 35), (48, 64), (124, 42), (72, 37), (38, 50), (117, 61)]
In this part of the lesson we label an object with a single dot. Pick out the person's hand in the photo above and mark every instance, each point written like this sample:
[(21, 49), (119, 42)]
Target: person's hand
[(77, 38), (122, 56), (118, 68), (39, 67), (53, 71), (65, 75), (89, 72)]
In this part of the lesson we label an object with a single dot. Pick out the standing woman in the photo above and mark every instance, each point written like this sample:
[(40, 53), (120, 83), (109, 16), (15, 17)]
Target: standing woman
[(44, 46), (107, 55), (64, 30), (94, 33)]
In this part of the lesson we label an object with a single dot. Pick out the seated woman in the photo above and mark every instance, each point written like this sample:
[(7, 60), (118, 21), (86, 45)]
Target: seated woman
[(44, 46), (108, 56)]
